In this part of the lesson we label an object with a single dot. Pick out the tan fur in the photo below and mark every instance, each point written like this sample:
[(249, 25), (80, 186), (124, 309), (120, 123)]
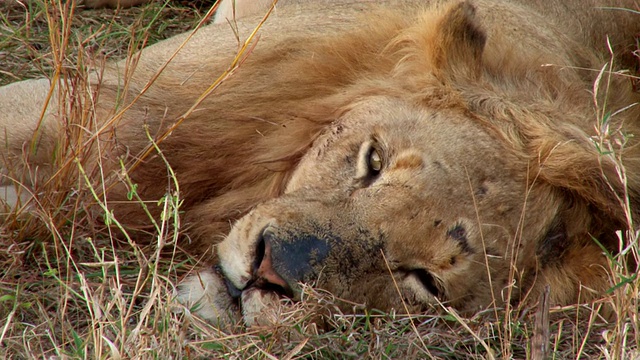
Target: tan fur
[(481, 112)]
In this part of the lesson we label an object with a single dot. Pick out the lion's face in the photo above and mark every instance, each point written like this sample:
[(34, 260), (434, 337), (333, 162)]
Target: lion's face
[(393, 202)]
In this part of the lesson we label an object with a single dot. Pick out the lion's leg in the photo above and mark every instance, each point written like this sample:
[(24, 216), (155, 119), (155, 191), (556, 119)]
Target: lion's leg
[(27, 136), (236, 9)]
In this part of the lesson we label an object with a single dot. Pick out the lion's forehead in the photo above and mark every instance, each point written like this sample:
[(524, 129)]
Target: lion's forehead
[(440, 142)]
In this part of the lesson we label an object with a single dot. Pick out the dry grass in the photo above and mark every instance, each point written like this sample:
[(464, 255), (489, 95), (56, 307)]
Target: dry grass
[(69, 289), (26, 26)]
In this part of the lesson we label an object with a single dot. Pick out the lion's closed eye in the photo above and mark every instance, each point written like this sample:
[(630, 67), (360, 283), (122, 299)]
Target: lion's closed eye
[(427, 281)]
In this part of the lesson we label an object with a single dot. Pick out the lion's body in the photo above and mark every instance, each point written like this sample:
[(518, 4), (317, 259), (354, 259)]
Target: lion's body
[(482, 114)]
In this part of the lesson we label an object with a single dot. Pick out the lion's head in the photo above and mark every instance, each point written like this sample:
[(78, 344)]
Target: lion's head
[(391, 205), (464, 175), (390, 194)]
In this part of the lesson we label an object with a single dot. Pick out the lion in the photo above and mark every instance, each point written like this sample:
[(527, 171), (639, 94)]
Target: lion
[(398, 154)]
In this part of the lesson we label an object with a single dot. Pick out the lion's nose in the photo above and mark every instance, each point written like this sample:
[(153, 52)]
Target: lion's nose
[(265, 275), (283, 261)]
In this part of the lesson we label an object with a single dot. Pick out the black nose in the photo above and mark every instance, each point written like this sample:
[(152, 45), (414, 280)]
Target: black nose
[(266, 277), (284, 260)]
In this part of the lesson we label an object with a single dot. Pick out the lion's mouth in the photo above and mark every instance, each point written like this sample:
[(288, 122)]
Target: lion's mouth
[(257, 284), (259, 297), (232, 290)]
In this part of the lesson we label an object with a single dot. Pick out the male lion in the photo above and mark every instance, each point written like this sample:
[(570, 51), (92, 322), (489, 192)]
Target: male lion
[(394, 154)]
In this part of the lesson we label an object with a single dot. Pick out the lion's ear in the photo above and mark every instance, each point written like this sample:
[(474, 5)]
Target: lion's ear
[(458, 41), (448, 41)]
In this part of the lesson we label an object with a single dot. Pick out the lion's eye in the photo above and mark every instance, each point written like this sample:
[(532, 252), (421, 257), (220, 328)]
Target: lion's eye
[(374, 161), (371, 161), (429, 282)]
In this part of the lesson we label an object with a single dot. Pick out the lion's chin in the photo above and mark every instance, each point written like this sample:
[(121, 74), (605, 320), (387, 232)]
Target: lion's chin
[(207, 294), (260, 307)]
